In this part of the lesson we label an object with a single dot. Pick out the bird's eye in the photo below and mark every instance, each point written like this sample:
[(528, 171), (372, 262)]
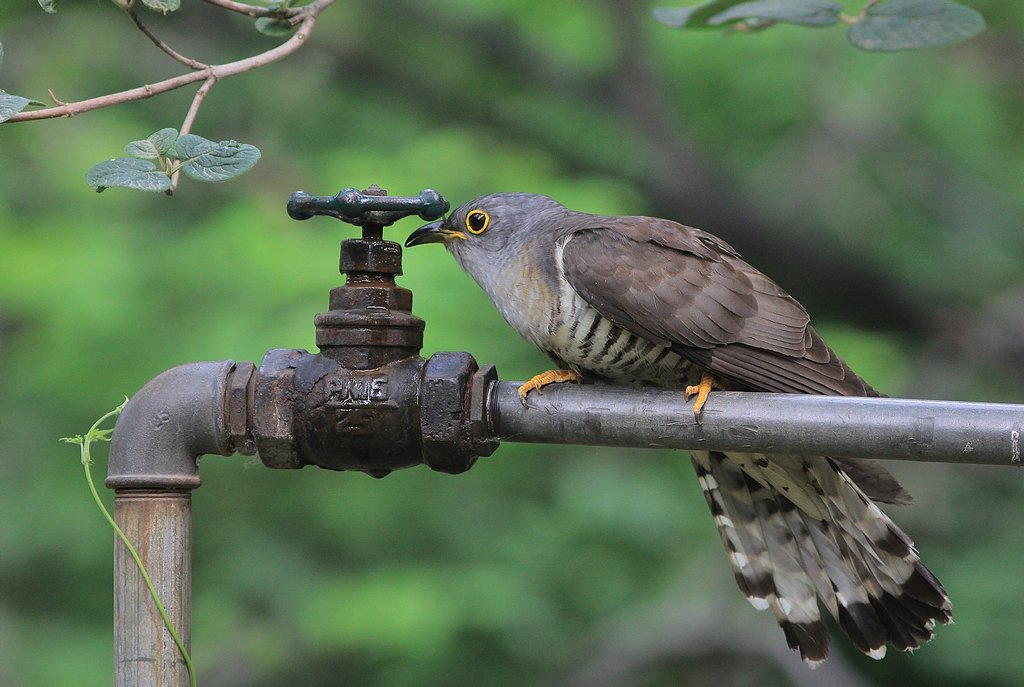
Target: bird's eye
[(477, 221)]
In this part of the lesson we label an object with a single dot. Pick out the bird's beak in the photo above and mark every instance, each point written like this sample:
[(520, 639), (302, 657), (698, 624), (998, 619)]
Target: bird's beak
[(434, 232)]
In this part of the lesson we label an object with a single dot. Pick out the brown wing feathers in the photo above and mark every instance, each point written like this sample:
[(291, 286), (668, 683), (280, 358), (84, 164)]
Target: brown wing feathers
[(670, 284)]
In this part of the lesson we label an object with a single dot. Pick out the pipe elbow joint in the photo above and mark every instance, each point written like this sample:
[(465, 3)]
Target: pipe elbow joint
[(178, 416)]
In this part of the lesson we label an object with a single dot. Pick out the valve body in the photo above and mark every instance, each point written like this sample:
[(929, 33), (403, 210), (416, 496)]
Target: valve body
[(309, 409)]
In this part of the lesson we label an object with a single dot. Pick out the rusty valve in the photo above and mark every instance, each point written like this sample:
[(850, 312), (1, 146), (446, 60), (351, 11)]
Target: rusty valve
[(368, 401)]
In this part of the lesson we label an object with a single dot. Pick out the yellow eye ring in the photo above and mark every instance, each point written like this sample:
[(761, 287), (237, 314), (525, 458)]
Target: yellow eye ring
[(477, 221)]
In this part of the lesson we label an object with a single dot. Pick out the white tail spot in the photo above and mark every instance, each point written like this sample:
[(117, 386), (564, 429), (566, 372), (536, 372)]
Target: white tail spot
[(758, 602)]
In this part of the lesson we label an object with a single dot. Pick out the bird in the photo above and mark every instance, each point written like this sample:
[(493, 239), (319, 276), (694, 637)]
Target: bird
[(647, 301)]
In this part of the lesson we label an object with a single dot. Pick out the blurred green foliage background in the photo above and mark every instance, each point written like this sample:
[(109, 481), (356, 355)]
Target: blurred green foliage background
[(883, 190)]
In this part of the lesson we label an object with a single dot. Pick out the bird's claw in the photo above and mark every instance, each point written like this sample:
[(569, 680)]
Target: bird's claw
[(701, 391), (540, 381)]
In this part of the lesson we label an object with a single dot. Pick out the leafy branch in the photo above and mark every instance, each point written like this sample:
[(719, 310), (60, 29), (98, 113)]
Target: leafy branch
[(142, 173), (880, 26), (85, 443), (156, 161)]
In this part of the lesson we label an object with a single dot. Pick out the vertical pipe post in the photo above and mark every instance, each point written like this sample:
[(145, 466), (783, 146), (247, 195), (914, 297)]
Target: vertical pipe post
[(159, 524), (182, 414)]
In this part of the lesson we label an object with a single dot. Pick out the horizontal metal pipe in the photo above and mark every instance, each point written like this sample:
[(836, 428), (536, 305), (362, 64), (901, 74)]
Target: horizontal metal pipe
[(839, 426)]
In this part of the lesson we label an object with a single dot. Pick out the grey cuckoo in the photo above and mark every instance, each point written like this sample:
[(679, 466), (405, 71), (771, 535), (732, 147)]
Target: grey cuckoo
[(641, 300)]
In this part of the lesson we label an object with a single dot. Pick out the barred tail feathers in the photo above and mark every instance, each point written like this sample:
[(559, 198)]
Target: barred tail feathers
[(798, 530), (768, 566)]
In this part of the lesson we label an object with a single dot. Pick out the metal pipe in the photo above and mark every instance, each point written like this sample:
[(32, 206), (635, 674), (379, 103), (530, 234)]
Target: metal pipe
[(174, 419), (159, 524), (840, 426)]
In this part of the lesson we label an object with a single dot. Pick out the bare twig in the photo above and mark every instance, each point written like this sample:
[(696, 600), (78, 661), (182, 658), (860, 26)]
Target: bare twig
[(190, 117), (309, 14), (187, 61), (193, 109)]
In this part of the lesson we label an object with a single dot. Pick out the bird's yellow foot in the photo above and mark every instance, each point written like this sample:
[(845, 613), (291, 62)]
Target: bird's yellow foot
[(540, 381), (701, 391)]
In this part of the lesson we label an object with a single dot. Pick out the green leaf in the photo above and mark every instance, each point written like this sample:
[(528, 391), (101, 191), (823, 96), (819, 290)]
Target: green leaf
[(154, 145), (128, 172), (692, 17), (909, 24), (11, 105), (164, 6), (205, 160), (803, 12), (49, 5), (164, 140), (1, 54), (269, 26), (143, 149)]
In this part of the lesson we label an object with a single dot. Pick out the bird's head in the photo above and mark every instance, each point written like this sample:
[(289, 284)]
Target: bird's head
[(505, 242), (489, 227)]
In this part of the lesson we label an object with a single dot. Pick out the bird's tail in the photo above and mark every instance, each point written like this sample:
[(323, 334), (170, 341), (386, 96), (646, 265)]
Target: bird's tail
[(798, 530)]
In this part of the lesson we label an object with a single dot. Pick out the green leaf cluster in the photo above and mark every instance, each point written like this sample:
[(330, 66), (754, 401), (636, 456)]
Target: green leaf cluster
[(270, 26), (910, 24), (156, 158), (162, 6), (274, 26), (888, 26), (11, 105)]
